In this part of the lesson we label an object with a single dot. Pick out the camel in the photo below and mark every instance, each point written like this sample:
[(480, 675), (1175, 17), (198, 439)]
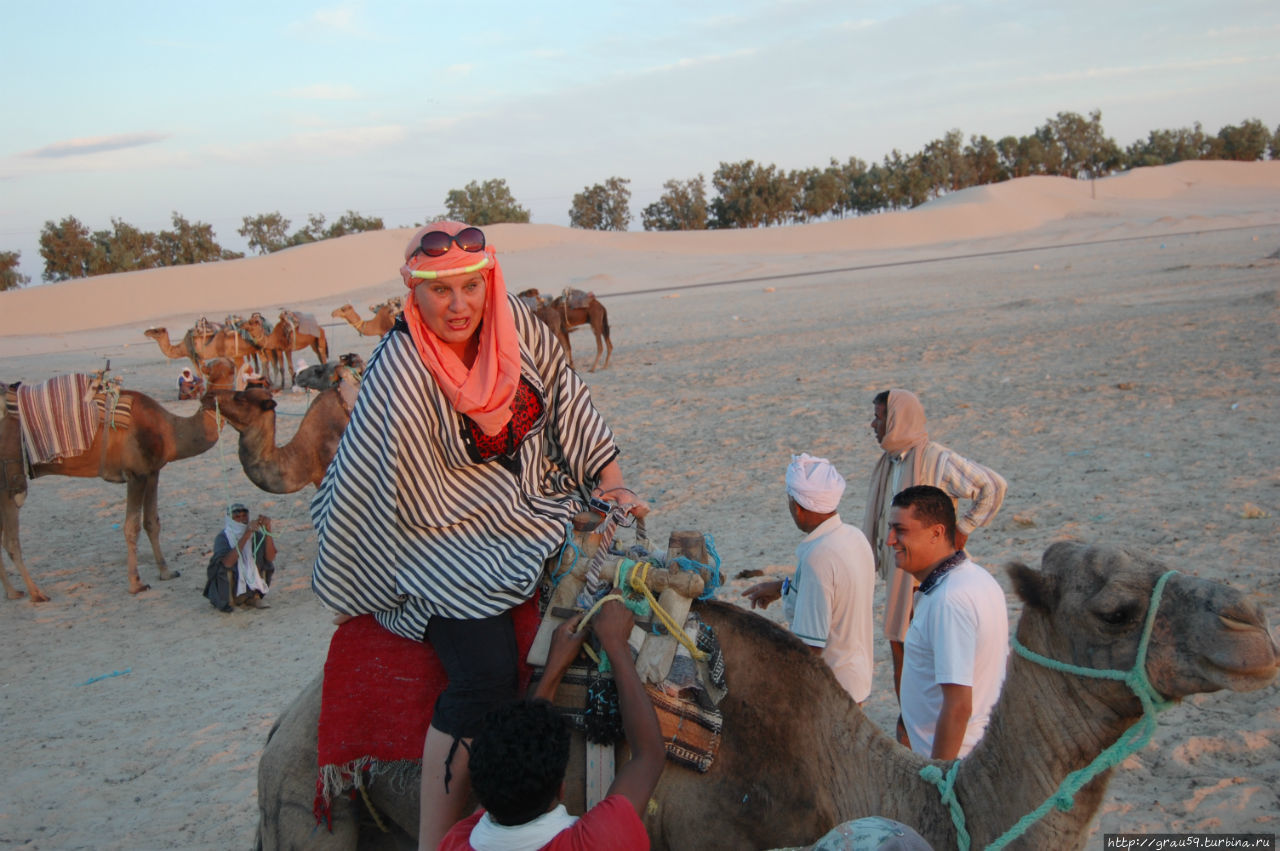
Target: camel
[(783, 778), (303, 460), (592, 313), (134, 455), (225, 343), (384, 317), (325, 375), (551, 317)]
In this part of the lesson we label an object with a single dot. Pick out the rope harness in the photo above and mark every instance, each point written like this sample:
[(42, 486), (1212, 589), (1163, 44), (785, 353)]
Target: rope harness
[(1130, 742)]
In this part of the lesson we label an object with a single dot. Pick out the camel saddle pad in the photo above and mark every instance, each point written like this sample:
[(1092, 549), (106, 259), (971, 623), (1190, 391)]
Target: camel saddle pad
[(576, 299), (115, 410), (304, 323), (376, 702), (57, 417)]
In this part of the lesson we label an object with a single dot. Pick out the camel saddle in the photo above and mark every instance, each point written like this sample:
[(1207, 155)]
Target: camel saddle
[(575, 299), (303, 323), (60, 418)]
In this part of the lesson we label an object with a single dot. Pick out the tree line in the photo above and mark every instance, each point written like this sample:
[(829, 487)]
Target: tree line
[(745, 194)]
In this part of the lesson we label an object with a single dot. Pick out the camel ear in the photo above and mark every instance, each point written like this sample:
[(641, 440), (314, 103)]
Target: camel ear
[(1036, 588)]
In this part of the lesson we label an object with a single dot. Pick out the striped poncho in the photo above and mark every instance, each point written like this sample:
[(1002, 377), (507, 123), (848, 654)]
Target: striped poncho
[(411, 525)]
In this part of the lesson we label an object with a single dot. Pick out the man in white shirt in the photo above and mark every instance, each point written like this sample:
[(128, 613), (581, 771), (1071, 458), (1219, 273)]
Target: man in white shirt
[(956, 648), (828, 599)]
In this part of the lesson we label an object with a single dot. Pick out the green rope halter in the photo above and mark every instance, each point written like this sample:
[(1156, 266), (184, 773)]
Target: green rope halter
[(1130, 742)]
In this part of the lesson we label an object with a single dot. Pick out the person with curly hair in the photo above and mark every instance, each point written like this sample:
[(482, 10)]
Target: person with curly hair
[(519, 756)]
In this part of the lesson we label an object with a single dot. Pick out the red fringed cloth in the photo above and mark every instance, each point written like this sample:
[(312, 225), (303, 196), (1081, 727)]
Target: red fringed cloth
[(379, 690)]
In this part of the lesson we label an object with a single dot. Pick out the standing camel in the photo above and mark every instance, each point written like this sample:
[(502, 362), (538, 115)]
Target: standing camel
[(303, 460), (581, 308), (384, 317), (784, 777), (271, 343), (551, 316), (225, 343), (133, 455)]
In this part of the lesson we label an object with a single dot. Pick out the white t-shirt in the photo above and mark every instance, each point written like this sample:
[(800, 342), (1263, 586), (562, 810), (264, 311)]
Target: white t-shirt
[(960, 635), (829, 601)]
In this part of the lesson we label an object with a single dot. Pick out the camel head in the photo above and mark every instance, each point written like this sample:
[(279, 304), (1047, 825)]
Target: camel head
[(220, 372), (343, 312), (156, 333), (244, 408), (1088, 605)]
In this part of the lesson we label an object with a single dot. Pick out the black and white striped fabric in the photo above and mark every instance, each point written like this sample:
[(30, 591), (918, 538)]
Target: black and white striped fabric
[(410, 526)]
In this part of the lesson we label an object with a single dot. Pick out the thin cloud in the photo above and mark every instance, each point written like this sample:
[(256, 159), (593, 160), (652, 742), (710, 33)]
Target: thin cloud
[(95, 145), (325, 91), (1116, 71), (338, 20)]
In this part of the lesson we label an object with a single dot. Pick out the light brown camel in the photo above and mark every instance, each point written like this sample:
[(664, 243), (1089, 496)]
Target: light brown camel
[(582, 308), (133, 455), (551, 316), (303, 460), (384, 317), (784, 777), (225, 343), (272, 344)]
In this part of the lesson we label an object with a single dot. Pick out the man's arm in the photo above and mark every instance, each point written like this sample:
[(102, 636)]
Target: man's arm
[(637, 779), (953, 720), (566, 643), (763, 593), (983, 487)]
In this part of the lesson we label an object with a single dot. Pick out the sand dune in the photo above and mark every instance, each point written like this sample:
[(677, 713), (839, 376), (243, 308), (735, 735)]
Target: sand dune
[(1115, 358)]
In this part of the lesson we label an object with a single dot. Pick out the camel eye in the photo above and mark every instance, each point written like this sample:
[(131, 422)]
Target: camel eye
[(1119, 616)]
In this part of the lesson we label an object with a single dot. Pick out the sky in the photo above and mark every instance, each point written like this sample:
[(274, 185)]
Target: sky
[(135, 110)]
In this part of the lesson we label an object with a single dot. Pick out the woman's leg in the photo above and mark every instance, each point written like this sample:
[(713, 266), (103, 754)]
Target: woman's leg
[(443, 809)]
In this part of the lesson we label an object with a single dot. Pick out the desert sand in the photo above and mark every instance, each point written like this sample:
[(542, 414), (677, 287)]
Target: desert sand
[(1114, 357)]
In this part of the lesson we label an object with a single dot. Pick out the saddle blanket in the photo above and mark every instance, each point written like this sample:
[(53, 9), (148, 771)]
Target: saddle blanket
[(57, 417), (376, 702)]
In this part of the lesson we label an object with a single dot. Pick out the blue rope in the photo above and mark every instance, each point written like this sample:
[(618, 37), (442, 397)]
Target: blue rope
[(1130, 742), (569, 543), (709, 590)]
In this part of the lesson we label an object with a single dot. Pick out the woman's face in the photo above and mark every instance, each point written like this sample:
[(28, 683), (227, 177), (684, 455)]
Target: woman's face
[(452, 307)]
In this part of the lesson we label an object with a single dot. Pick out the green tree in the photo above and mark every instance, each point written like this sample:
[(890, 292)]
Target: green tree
[(822, 192), (604, 206), (485, 203), (10, 277), (1274, 148), (681, 206), (1162, 147), (267, 232), (187, 243), (751, 195), (352, 222), (983, 156), (124, 248), (1075, 147), (1246, 142), (945, 167), (313, 232), (66, 248)]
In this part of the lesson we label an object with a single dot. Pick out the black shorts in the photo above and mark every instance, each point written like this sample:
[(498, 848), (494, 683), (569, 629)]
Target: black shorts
[(479, 658)]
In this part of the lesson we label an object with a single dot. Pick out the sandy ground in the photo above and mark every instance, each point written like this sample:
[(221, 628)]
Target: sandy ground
[(1116, 359)]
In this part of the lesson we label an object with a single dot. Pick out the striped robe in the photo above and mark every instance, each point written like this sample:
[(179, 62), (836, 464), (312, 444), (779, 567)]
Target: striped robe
[(410, 526)]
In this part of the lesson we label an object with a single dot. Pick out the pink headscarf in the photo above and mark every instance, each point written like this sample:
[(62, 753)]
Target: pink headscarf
[(484, 391)]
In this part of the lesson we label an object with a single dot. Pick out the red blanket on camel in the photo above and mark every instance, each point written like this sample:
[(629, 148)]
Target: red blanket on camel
[(379, 690)]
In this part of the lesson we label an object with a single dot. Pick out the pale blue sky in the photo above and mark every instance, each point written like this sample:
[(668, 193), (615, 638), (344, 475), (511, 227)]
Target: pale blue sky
[(230, 109)]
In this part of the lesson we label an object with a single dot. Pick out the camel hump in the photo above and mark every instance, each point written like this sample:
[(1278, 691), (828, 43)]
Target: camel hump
[(57, 417), (577, 298)]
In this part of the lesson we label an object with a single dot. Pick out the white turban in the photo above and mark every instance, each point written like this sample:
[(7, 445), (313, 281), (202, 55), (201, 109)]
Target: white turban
[(814, 483)]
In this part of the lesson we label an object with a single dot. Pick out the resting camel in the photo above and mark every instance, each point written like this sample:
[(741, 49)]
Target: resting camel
[(225, 343), (303, 460), (784, 777), (384, 317), (592, 313), (134, 455), (325, 375)]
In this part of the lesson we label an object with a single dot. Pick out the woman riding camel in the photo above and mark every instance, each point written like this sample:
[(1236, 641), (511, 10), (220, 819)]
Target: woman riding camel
[(471, 447)]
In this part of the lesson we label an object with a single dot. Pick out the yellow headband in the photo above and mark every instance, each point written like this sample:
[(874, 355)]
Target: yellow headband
[(431, 275)]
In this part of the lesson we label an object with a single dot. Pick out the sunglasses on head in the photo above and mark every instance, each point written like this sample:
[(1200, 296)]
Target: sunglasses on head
[(436, 242)]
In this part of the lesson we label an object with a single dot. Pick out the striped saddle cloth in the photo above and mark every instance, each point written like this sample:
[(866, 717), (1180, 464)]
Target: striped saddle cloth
[(59, 418)]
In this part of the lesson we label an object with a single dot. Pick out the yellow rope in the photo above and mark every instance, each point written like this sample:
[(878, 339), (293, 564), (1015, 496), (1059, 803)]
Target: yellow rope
[(373, 811), (582, 624), (638, 580)]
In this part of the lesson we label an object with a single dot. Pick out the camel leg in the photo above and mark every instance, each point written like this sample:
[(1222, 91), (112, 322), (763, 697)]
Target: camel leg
[(599, 349), (568, 350), (151, 523), (9, 538), (608, 343), (134, 488)]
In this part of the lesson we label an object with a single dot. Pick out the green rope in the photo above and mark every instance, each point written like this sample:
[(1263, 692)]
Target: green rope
[(1130, 742)]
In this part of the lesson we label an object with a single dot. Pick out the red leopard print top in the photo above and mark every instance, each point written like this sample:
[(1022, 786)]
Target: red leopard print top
[(526, 408)]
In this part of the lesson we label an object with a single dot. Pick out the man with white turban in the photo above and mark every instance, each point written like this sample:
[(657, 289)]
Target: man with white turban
[(828, 599)]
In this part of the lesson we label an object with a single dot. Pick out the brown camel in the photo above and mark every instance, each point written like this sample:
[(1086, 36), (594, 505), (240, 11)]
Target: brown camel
[(225, 343), (384, 317), (783, 778), (551, 316), (582, 308), (303, 460), (134, 455)]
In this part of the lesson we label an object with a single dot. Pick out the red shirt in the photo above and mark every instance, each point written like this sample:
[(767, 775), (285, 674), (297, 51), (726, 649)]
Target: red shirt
[(611, 825)]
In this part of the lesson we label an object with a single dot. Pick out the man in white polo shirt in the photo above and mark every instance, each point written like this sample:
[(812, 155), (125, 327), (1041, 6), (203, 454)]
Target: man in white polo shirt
[(955, 652), (828, 599)]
